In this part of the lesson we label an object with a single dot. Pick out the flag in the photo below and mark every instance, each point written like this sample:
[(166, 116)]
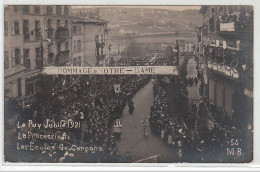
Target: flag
[(117, 88)]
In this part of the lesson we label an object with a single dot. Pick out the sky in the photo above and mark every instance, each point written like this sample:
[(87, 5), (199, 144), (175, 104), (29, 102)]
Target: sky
[(177, 8)]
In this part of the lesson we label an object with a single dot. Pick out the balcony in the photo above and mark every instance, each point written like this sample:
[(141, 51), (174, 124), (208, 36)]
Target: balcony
[(226, 70), (62, 58), (62, 34), (230, 62), (14, 70)]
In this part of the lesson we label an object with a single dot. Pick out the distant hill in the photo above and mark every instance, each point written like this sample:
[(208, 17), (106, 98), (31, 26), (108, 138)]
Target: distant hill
[(138, 21)]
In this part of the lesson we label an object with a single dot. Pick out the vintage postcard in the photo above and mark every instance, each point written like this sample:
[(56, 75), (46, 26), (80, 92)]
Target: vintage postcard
[(128, 84)]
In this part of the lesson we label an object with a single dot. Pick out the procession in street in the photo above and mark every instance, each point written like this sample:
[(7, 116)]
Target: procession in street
[(199, 112)]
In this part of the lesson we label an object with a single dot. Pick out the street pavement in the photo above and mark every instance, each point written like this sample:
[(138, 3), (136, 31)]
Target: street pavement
[(193, 91), (132, 139)]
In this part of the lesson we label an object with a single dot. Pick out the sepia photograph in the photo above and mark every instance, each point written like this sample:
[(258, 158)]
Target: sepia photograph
[(128, 84)]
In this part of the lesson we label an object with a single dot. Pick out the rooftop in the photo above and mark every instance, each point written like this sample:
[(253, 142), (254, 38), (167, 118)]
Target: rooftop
[(80, 19)]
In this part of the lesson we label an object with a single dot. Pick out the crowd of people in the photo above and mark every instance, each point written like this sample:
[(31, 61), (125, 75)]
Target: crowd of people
[(231, 59), (202, 131), (191, 81), (242, 20), (171, 127), (92, 100)]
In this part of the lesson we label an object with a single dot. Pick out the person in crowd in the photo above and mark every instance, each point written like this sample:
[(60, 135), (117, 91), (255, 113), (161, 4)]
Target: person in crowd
[(118, 128), (131, 106), (195, 81), (145, 125)]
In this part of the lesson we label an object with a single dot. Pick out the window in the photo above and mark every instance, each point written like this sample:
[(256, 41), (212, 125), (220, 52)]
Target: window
[(58, 9), (66, 10), (102, 38), (26, 33), (6, 28), (75, 61), (66, 24), (97, 38), (6, 60), (27, 60), (75, 46), (50, 29), (37, 30), (38, 57), (220, 10), (236, 8), (19, 87), (230, 9), (17, 59), (37, 9), (26, 8), (58, 47), (212, 12), (79, 45), (75, 30), (16, 8), (66, 46), (79, 30), (80, 61), (58, 24), (16, 28), (49, 9), (29, 88)]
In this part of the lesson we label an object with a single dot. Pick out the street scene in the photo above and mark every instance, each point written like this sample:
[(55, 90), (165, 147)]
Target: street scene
[(201, 111)]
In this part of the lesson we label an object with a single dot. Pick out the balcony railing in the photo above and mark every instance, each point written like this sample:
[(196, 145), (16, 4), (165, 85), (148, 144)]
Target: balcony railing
[(13, 70), (62, 58), (62, 33), (27, 66), (229, 71), (230, 62)]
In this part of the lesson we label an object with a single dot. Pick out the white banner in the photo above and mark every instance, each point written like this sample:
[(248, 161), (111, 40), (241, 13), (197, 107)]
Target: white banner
[(227, 26), (164, 70)]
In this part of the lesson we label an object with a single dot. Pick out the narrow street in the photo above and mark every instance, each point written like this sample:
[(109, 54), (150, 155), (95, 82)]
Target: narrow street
[(132, 139), (193, 91)]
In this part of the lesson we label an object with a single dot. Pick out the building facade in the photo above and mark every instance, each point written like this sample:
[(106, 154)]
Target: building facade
[(77, 44), (226, 43), (95, 41), (36, 36)]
